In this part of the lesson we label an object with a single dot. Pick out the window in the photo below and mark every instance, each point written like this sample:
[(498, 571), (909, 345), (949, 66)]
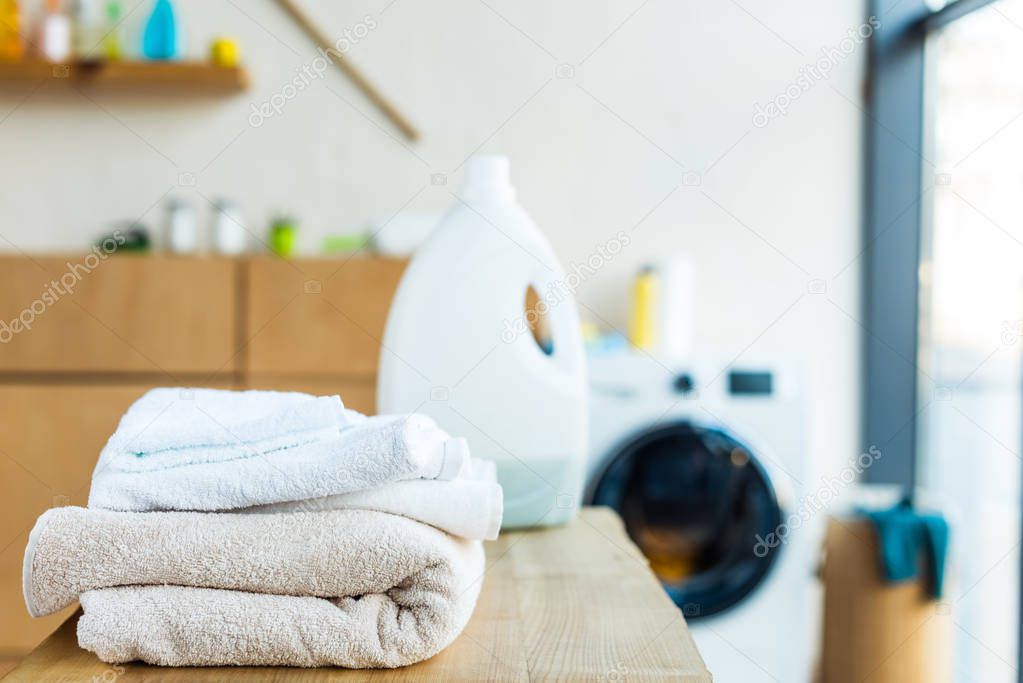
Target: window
[(945, 297), (971, 315)]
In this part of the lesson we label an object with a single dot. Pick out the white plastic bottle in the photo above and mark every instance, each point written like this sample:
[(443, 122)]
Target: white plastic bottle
[(228, 228), (53, 35), (458, 347)]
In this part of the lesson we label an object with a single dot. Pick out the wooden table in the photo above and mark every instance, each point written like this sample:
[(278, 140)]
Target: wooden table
[(576, 603)]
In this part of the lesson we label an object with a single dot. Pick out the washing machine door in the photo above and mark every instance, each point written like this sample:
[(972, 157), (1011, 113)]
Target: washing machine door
[(695, 500)]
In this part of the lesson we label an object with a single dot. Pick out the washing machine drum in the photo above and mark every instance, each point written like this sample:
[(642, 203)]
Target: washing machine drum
[(695, 500)]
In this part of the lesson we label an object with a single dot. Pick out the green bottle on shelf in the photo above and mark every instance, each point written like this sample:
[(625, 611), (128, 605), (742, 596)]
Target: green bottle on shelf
[(283, 236), (113, 41)]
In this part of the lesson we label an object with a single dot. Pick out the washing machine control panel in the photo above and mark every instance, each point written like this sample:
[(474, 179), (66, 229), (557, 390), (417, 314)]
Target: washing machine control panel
[(641, 377), (750, 383)]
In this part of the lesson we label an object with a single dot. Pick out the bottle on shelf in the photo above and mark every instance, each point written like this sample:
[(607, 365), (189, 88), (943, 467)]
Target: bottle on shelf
[(229, 235), (88, 29), (160, 37), (54, 33), (113, 38), (283, 236), (181, 230), (12, 45)]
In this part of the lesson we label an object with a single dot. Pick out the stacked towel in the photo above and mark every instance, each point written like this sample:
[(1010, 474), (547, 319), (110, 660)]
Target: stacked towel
[(322, 537), (349, 588), (469, 506), (207, 449)]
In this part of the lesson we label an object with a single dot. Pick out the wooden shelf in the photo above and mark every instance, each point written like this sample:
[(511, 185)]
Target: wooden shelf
[(200, 76)]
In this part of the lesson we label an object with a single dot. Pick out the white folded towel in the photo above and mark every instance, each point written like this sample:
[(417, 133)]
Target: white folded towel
[(209, 449), (469, 506), (185, 420)]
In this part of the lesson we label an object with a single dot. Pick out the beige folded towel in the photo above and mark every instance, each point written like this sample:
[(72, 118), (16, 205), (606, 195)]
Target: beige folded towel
[(350, 588)]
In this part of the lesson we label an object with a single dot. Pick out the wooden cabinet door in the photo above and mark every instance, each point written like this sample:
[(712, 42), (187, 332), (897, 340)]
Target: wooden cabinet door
[(121, 313), (50, 439), (356, 393), (318, 317)]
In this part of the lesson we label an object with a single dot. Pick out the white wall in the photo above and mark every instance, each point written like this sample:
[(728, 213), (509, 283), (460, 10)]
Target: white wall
[(660, 89)]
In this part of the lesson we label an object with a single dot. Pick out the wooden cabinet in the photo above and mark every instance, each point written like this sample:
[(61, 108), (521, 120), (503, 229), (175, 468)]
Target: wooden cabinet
[(135, 322)]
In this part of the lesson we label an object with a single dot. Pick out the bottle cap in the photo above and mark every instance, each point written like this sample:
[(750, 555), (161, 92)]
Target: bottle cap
[(487, 177)]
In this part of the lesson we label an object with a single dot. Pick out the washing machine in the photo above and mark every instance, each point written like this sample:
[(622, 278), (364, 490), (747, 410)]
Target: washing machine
[(707, 465)]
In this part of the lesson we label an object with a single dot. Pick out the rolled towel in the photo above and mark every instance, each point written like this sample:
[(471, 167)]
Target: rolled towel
[(208, 449), (349, 588), (469, 506)]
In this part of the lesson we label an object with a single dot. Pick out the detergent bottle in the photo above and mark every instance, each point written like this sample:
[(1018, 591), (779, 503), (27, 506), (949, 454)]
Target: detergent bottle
[(458, 347)]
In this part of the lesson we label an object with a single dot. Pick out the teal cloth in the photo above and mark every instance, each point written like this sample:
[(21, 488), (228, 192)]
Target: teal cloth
[(904, 534)]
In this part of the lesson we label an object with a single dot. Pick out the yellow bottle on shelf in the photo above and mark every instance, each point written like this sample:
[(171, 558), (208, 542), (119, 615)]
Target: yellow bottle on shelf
[(644, 302), (12, 46)]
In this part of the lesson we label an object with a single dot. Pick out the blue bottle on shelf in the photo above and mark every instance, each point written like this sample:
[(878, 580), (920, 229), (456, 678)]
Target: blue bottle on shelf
[(160, 38)]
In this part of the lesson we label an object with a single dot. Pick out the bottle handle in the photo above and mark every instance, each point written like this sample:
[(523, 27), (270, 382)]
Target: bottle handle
[(558, 301)]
